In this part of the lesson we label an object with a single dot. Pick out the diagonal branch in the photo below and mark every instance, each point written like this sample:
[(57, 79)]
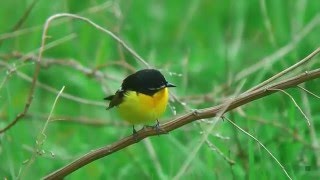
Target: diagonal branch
[(243, 99)]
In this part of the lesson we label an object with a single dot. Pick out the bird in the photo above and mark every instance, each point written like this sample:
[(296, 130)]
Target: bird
[(142, 98)]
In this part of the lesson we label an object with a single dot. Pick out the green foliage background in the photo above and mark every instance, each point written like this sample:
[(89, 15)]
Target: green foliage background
[(211, 44)]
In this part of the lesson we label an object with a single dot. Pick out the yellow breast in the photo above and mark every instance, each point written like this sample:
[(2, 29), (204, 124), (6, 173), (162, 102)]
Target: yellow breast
[(138, 108)]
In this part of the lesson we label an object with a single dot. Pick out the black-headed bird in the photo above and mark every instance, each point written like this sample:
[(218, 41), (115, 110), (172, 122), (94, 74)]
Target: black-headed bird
[(142, 98)]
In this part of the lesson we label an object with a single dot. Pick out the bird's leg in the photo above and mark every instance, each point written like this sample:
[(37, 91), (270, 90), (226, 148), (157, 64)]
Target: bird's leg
[(133, 130), (157, 126), (158, 129), (134, 134)]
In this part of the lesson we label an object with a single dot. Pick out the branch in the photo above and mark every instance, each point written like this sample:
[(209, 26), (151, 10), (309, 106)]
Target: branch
[(181, 121), (72, 63)]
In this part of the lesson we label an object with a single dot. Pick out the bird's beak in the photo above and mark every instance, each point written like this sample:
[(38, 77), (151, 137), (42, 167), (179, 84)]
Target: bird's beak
[(170, 85)]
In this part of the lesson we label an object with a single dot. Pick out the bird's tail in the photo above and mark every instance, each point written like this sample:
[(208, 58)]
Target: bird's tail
[(115, 99), (109, 98)]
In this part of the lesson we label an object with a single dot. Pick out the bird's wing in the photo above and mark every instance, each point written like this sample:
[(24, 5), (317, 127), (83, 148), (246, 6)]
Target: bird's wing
[(116, 99)]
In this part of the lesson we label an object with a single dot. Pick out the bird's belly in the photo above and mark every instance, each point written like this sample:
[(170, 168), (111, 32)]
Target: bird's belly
[(138, 108)]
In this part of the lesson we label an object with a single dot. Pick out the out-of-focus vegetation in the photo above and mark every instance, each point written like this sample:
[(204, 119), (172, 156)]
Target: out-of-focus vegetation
[(207, 48)]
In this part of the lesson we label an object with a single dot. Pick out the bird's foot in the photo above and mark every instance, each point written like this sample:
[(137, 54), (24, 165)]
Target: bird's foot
[(157, 128), (134, 133)]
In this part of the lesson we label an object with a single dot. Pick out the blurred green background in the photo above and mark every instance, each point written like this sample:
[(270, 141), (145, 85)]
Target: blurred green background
[(208, 48)]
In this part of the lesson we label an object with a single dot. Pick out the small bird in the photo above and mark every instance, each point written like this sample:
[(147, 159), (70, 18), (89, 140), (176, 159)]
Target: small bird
[(142, 98)]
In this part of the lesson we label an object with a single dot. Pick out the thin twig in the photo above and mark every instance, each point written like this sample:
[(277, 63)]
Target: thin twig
[(30, 95), (313, 94), (23, 18), (216, 149), (284, 129), (64, 95), (204, 137), (50, 114), (94, 9), (282, 73), (72, 63), (25, 15), (267, 22), (33, 80), (251, 136), (40, 139), (312, 128), (116, 38), (79, 120), (295, 103), (281, 52)]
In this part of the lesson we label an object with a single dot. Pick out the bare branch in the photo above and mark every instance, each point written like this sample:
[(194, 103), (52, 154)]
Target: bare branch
[(181, 121)]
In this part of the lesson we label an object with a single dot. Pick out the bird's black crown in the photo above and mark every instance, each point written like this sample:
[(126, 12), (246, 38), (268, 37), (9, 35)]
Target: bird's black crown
[(146, 81)]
